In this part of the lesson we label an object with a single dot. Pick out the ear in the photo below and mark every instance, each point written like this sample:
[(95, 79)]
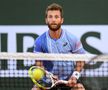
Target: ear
[(46, 21), (62, 20)]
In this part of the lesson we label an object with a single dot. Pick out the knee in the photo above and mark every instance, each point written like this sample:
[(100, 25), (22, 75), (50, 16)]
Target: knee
[(35, 88), (79, 86)]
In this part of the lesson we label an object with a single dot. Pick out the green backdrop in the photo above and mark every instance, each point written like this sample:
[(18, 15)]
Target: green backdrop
[(31, 12)]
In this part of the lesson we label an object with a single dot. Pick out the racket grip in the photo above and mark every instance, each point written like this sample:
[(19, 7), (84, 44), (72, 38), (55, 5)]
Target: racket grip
[(62, 82)]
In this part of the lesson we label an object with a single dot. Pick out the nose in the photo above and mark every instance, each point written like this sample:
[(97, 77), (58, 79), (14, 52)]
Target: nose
[(53, 19)]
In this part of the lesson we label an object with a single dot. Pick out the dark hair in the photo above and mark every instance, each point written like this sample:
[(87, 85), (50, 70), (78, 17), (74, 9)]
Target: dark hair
[(54, 6)]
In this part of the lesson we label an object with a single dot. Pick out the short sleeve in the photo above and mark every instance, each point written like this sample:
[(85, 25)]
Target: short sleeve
[(78, 48), (37, 46)]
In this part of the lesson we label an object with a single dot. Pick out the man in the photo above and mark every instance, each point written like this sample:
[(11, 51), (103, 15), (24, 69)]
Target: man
[(57, 40)]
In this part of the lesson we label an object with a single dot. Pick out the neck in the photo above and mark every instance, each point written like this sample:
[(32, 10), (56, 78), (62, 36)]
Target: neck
[(55, 34)]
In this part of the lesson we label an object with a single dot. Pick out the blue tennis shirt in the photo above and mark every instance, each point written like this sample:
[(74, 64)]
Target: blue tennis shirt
[(67, 43)]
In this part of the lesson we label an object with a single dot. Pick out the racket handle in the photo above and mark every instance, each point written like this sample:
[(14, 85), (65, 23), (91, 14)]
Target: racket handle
[(62, 82)]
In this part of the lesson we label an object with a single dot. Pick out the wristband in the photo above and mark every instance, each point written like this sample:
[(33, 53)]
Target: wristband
[(76, 74)]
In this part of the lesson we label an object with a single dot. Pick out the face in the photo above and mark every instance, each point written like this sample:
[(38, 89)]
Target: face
[(54, 20)]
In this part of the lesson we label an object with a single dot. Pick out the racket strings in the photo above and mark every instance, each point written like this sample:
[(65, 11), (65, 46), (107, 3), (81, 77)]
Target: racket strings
[(14, 69)]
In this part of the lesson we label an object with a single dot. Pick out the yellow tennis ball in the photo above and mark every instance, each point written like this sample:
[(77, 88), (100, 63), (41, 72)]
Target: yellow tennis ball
[(38, 74)]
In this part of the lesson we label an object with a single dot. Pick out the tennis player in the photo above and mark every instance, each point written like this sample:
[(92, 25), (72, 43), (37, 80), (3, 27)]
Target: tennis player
[(58, 40)]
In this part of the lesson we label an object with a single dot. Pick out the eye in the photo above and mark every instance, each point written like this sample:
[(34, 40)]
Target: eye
[(56, 16), (50, 16)]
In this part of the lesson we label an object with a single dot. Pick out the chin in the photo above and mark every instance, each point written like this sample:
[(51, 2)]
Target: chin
[(54, 28)]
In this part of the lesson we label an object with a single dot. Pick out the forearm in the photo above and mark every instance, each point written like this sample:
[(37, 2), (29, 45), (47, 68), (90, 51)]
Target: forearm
[(79, 66), (39, 63)]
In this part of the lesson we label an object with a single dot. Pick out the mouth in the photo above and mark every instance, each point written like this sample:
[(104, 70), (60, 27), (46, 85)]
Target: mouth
[(53, 24)]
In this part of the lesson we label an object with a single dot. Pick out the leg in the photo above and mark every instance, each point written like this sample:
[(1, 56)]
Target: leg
[(35, 88), (78, 86)]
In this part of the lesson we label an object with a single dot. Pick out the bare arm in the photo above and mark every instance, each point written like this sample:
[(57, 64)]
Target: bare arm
[(39, 63), (79, 66)]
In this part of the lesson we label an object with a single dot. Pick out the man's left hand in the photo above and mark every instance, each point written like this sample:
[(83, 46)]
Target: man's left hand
[(72, 81)]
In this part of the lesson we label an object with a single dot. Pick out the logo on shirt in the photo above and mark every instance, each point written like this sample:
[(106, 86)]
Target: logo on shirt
[(65, 44)]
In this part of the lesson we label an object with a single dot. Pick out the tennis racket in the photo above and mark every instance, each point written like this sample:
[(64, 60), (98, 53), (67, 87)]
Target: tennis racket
[(47, 81)]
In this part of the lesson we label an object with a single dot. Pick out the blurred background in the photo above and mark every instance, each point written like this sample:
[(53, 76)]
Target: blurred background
[(32, 12), (22, 21)]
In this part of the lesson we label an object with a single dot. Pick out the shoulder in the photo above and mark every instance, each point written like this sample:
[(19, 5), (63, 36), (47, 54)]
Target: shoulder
[(70, 36), (41, 37), (40, 40)]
